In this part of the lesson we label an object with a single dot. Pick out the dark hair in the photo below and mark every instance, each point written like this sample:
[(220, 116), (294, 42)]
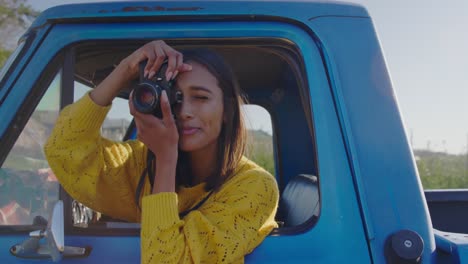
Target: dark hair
[(232, 138)]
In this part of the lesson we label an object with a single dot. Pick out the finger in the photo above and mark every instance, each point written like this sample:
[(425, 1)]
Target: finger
[(171, 61), (138, 128), (130, 104), (133, 111), (134, 62), (147, 120), (151, 56), (137, 114), (185, 67), (144, 119), (160, 57), (180, 62), (167, 117)]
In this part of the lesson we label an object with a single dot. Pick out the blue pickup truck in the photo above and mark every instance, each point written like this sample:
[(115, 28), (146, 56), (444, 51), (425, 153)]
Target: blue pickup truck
[(350, 191)]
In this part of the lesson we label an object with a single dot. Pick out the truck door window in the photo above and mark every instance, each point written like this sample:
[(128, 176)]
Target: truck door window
[(28, 187), (277, 119)]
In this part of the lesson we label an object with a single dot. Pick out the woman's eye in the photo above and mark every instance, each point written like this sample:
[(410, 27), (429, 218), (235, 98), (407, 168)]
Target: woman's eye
[(201, 97)]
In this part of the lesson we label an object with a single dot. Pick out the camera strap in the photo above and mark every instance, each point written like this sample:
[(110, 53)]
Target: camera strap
[(149, 170), (198, 205)]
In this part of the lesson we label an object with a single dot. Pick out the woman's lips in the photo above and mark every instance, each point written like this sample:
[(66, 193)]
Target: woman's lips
[(189, 131)]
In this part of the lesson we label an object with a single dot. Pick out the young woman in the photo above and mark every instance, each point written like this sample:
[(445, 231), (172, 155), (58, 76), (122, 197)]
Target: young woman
[(208, 203)]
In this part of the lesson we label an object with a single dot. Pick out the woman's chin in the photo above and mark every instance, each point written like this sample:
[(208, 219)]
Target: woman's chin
[(187, 146)]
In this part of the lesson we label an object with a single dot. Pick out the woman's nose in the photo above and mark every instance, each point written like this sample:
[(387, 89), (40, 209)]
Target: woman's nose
[(185, 109)]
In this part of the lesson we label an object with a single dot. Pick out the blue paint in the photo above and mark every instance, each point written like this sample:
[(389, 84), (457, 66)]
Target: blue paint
[(369, 187)]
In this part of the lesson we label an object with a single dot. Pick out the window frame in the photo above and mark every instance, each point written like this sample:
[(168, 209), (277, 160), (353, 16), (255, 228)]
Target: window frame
[(66, 54), (24, 44), (291, 54)]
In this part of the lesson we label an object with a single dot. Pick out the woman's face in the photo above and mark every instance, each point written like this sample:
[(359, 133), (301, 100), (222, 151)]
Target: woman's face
[(200, 115)]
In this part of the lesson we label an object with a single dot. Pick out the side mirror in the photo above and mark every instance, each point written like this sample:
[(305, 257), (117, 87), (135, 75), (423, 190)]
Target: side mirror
[(55, 241), (54, 234)]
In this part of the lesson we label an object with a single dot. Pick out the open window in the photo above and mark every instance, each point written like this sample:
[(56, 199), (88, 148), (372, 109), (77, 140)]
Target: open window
[(281, 136), (278, 117)]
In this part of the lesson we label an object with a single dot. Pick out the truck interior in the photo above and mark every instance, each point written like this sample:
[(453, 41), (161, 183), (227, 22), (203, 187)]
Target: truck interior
[(269, 73)]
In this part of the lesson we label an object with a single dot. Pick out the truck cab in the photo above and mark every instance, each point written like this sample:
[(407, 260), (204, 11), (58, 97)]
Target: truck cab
[(350, 191)]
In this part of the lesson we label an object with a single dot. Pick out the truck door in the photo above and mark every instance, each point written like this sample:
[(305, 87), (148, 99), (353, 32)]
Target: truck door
[(307, 137)]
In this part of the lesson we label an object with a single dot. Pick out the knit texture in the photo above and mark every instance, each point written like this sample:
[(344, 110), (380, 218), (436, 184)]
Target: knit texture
[(103, 175)]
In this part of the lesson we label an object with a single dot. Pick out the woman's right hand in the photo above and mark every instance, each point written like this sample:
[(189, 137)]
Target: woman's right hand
[(156, 52)]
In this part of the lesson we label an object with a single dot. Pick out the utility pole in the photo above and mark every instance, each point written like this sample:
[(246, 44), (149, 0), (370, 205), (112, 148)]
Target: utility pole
[(466, 160)]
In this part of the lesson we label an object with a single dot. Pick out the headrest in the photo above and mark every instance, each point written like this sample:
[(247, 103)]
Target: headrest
[(300, 200)]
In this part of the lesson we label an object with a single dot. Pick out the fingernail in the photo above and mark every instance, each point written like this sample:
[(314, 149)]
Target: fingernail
[(168, 76), (175, 74), (146, 73), (151, 74)]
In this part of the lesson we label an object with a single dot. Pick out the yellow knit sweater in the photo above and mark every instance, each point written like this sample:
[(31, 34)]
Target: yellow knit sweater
[(103, 175)]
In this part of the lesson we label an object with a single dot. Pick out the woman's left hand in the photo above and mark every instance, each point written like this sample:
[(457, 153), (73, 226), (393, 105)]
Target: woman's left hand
[(159, 135)]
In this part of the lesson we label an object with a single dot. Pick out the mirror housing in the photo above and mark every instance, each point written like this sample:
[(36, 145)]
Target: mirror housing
[(54, 235)]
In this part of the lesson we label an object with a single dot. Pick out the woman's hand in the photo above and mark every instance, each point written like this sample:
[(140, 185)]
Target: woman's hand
[(156, 52), (161, 137)]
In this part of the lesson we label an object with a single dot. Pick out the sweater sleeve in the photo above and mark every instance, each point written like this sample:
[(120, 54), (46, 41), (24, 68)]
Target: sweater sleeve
[(99, 173), (227, 227)]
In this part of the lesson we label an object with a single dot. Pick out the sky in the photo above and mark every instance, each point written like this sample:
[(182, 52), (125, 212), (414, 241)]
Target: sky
[(425, 44)]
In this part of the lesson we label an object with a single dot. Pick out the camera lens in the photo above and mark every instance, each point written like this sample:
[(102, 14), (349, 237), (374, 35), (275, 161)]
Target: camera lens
[(145, 98)]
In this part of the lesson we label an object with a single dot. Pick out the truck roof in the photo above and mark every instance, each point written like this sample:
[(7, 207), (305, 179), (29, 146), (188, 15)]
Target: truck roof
[(113, 11)]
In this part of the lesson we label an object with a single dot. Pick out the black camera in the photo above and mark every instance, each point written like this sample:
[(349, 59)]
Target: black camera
[(147, 92)]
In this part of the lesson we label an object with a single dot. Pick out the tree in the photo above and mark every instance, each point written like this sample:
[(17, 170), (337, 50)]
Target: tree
[(15, 18), (4, 54)]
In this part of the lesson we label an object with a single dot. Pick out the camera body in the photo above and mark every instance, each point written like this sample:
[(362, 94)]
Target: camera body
[(147, 92)]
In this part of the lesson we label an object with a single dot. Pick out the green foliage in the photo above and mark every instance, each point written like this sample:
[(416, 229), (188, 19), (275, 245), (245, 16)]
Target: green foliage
[(15, 12), (4, 54), (436, 170), (15, 16), (442, 171), (260, 150)]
